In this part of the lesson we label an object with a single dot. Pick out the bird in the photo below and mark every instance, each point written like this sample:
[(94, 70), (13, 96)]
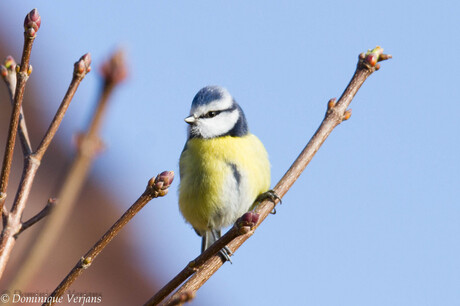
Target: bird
[(223, 167)]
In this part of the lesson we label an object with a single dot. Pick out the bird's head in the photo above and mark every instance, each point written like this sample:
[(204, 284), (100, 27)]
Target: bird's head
[(214, 113)]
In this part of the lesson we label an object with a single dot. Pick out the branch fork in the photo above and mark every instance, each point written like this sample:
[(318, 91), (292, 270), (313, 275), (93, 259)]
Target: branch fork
[(12, 225), (40, 215), (88, 146)]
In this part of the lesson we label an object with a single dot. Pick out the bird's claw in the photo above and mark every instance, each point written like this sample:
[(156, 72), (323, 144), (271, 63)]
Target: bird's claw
[(269, 195), (225, 254)]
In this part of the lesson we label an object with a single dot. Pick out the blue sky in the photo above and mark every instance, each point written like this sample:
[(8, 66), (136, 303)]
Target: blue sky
[(374, 220)]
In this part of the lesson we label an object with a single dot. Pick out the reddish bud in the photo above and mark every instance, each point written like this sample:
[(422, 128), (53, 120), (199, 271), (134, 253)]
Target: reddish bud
[(166, 178), (3, 71), (255, 218), (114, 69), (87, 58), (83, 64), (35, 17), (32, 22), (347, 114), (161, 183), (249, 219), (371, 59)]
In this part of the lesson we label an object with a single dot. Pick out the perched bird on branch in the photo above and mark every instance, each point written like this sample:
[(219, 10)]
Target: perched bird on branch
[(223, 167)]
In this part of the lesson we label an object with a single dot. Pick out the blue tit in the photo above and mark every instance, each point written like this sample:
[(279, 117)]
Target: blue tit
[(223, 167)]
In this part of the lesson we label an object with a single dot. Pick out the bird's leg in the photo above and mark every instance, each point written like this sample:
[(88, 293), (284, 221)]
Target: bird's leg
[(225, 252)]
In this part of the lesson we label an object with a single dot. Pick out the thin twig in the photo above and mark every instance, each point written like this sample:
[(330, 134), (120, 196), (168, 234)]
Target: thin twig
[(8, 72), (31, 164), (336, 113), (156, 187), (81, 68), (88, 146), (40, 215), (31, 25)]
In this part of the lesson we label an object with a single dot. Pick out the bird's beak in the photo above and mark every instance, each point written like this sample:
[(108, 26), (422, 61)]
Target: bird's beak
[(190, 119)]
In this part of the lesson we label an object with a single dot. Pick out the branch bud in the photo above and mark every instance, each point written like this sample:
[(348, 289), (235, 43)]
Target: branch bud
[(183, 298), (331, 103), (158, 187), (3, 71), (82, 67), (114, 70), (247, 222), (371, 58), (32, 23), (10, 63), (8, 72), (52, 202), (8, 67)]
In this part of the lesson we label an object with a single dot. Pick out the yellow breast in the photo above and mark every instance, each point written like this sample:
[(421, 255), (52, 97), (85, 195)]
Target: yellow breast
[(220, 179)]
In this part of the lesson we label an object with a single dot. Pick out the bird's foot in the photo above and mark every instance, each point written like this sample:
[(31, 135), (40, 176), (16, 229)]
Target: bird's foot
[(269, 195), (225, 254)]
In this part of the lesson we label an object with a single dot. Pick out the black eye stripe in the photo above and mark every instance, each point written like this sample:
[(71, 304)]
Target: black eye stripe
[(210, 114)]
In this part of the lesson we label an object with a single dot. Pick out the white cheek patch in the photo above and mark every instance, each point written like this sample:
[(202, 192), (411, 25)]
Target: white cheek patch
[(218, 125)]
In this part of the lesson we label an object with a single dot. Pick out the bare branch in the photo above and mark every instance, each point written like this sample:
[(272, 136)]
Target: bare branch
[(31, 25), (336, 113), (8, 72), (156, 187), (13, 219), (40, 215), (82, 67), (88, 146), (31, 164)]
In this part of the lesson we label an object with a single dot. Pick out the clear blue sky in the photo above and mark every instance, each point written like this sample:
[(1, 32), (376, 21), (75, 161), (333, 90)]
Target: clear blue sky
[(374, 220)]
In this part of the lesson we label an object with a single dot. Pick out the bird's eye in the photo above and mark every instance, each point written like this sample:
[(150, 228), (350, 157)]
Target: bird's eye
[(211, 114)]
